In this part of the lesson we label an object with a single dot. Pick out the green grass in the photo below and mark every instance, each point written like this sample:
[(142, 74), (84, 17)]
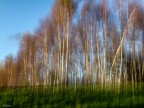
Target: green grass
[(83, 97)]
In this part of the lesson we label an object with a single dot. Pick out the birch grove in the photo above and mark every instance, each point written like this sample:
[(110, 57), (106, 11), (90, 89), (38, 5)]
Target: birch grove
[(81, 43)]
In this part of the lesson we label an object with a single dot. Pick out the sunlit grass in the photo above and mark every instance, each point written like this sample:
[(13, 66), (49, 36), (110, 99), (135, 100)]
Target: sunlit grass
[(82, 97)]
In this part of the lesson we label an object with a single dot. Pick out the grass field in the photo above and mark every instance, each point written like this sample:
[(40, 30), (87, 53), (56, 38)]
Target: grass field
[(83, 97)]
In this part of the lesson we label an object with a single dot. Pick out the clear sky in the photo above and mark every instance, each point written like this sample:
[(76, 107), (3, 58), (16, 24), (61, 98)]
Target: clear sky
[(18, 16)]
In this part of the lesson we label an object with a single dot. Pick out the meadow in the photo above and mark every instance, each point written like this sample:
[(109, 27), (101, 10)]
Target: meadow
[(84, 96)]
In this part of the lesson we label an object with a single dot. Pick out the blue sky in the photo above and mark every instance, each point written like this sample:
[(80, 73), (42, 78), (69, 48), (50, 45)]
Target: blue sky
[(18, 16)]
